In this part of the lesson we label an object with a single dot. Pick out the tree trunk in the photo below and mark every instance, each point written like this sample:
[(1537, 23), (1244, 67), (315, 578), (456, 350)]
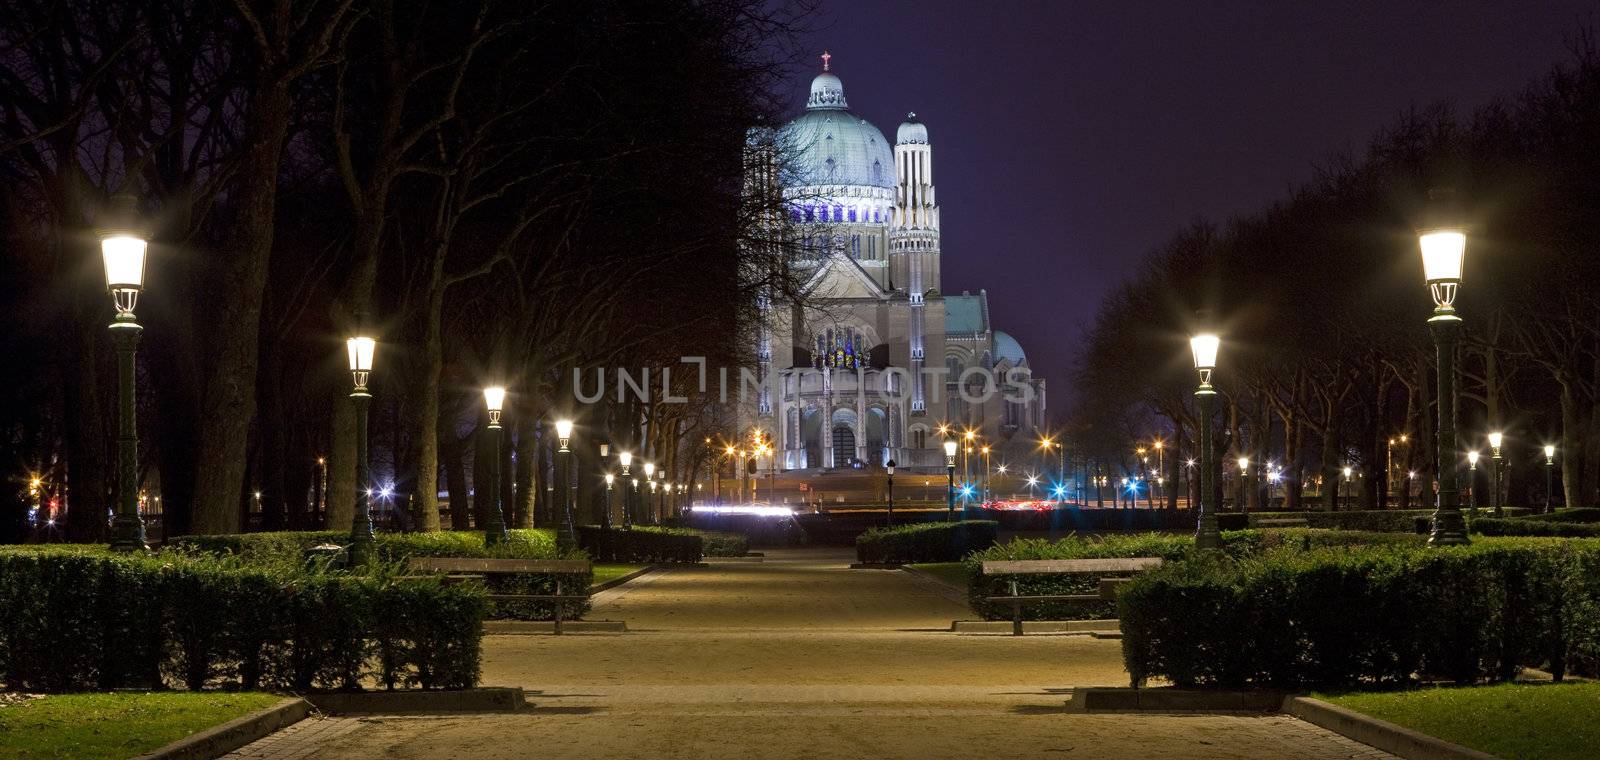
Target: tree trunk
[(341, 496), (1294, 437), (229, 391), (527, 472), (1332, 474)]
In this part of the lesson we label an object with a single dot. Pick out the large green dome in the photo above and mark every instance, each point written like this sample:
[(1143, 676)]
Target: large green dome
[(829, 145)]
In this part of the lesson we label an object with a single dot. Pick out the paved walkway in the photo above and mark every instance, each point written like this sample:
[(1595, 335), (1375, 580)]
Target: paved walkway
[(799, 656)]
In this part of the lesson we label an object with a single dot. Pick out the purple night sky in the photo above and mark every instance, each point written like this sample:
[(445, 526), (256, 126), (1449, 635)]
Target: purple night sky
[(1071, 138)]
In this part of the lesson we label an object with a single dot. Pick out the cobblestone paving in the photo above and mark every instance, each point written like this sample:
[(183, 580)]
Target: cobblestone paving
[(800, 657)]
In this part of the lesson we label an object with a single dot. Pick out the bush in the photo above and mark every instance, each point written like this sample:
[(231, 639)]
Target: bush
[(82, 620), (1489, 526), (925, 542), (285, 550), (1169, 547), (714, 543), (1573, 515), (1378, 520), (1333, 618), (641, 545)]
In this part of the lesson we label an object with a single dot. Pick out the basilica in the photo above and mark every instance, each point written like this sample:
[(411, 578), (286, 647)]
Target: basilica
[(880, 363)]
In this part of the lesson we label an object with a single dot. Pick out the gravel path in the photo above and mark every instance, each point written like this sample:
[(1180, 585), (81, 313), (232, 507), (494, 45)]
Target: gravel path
[(795, 657)]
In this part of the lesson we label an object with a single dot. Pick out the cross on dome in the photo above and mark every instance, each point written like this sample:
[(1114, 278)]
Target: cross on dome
[(825, 57)]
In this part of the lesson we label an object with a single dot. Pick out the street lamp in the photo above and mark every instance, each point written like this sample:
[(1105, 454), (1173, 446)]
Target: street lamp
[(122, 250), (494, 529), (626, 460), (1549, 469), (1495, 439), (889, 465), (1443, 251), (610, 482), (361, 350), (1204, 347), (950, 487), (1345, 488), (564, 465), (1472, 463)]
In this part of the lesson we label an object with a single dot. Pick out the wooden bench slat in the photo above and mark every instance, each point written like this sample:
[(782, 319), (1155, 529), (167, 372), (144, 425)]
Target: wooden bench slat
[(497, 565), (1047, 566)]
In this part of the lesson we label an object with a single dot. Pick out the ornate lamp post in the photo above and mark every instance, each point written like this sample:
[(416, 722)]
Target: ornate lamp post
[(1495, 439), (494, 529), (1204, 347), (122, 249), (611, 481), (1549, 470), (564, 462), (626, 460), (650, 477), (1472, 466), (890, 467), (950, 487), (360, 350), (1443, 250), (1344, 484)]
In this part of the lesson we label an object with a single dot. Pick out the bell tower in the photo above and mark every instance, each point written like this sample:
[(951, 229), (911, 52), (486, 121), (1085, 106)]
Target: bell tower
[(914, 240)]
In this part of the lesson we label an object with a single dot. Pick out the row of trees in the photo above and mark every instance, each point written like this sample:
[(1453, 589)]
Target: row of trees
[(498, 191), (1320, 302)]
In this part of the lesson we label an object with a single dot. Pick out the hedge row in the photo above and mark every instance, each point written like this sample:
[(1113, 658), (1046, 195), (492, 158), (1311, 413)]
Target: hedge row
[(1334, 618), (1572, 515), (714, 543), (285, 550), (1169, 547), (87, 620), (1489, 526), (925, 542), (639, 545)]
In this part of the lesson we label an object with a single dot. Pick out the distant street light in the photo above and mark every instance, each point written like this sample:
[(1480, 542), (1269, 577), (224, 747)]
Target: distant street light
[(122, 250), (610, 482), (564, 469), (626, 459), (1204, 347), (889, 465), (950, 488), (1549, 470), (361, 350), (1472, 463), (494, 529), (1443, 251)]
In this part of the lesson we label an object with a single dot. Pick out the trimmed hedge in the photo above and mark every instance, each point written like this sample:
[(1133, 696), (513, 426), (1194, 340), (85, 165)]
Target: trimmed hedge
[(1169, 547), (714, 543), (640, 545), (1335, 618), (925, 542), (285, 549), (1572, 515), (1489, 526), (86, 620)]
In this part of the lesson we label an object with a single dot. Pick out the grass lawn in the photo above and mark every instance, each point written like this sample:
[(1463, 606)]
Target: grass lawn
[(953, 573), (115, 725), (603, 573), (1523, 721)]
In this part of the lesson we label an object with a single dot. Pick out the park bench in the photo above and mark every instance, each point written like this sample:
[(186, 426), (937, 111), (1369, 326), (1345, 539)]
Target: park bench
[(464, 569), (1108, 586)]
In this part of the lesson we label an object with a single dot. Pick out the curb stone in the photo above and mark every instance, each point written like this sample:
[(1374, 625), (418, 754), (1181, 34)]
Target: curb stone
[(619, 580), (529, 627), (1391, 738), (484, 699), (937, 585), (220, 740), (1105, 628)]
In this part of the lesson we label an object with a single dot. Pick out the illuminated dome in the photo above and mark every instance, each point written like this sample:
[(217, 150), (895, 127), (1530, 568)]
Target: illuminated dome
[(829, 145), (912, 131), (1006, 348)]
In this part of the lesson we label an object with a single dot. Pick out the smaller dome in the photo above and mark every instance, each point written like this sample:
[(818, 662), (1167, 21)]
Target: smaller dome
[(911, 132), (826, 92), (1006, 348)]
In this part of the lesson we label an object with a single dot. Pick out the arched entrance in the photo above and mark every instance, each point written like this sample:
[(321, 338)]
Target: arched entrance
[(844, 438)]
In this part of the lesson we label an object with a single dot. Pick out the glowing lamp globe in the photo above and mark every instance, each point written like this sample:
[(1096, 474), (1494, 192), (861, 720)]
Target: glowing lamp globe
[(1443, 252), (649, 470), (1204, 347), (564, 432), (360, 350), (494, 397)]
